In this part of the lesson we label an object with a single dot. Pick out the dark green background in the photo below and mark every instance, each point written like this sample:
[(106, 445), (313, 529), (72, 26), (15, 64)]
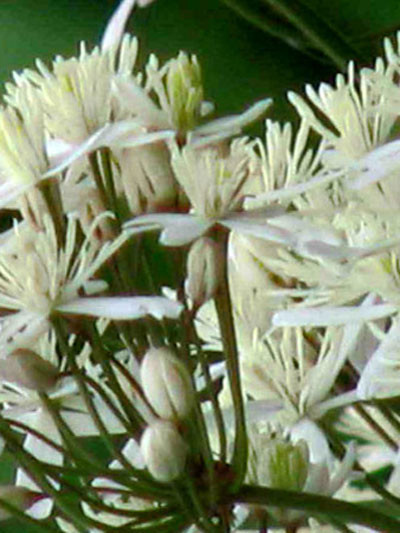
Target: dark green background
[(240, 62)]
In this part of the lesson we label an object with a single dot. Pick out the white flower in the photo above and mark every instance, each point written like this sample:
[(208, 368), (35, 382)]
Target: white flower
[(292, 384), (357, 119), (215, 186), (38, 278), (278, 463), (23, 159), (178, 89)]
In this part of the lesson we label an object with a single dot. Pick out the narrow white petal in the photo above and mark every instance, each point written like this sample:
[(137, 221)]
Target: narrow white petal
[(261, 230), (317, 442), (179, 235), (324, 250), (145, 138), (263, 410), (331, 316), (139, 103), (346, 466), (346, 398), (116, 25), (57, 150), (290, 192), (177, 229), (203, 141), (9, 191), (124, 307), (105, 136), (380, 377), (235, 121), (376, 165)]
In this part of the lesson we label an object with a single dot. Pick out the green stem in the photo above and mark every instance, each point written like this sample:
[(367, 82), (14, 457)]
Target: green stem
[(33, 467), (339, 451), (50, 190), (137, 423), (375, 426), (109, 186), (94, 163), (255, 16), (225, 317), (318, 506), (39, 526), (211, 395), (319, 32)]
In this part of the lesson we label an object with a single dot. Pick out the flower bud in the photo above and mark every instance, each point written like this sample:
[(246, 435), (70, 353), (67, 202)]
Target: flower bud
[(164, 451), (28, 369), (166, 384), (19, 497), (204, 270), (185, 91)]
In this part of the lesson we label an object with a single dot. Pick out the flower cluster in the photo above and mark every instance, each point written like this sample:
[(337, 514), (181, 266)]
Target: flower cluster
[(199, 329)]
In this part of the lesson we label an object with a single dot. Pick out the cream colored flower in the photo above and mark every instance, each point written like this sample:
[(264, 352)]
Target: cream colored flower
[(38, 278)]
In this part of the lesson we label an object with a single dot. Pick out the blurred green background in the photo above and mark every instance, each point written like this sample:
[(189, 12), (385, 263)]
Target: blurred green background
[(241, 63)]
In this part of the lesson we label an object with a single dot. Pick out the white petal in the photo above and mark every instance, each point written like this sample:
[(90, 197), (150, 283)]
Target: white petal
[(19, 329), (318, 478), (331, 316), (263, 410), (182, 234), (289, 192), (116, 25), (177, 229), (146, 138), (394, 481), (139, 103), (41, 421), (346, 466), (341, 400), (380, 377), (57, 150), (376, 165), (201, 142), (106, 136), (317, 442), (9, 191), (235, 122), (41, 509), (261, 230), (83, 425), (124, 307)]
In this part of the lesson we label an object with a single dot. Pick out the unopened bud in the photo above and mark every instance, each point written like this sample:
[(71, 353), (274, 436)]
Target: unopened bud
[(185, 91), (204, 270), (164, 451), (166, 384), (284, 465), (19, 497), (28, 369)]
